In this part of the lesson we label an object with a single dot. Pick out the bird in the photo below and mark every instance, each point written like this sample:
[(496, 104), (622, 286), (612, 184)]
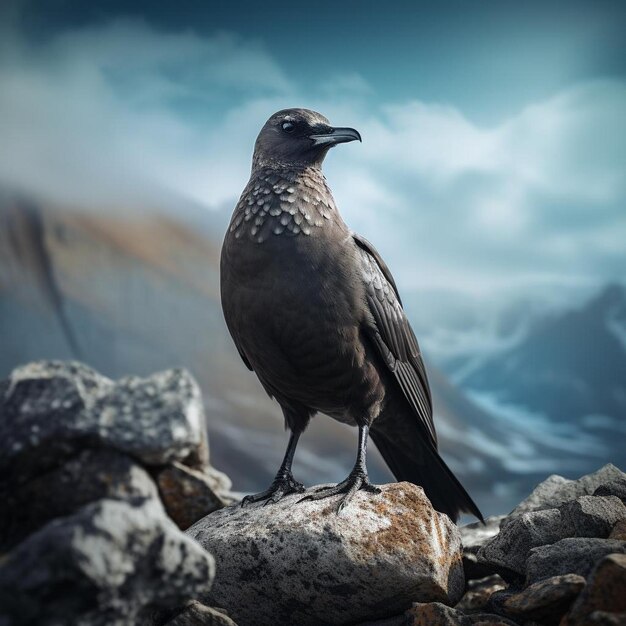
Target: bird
[(315, 313)]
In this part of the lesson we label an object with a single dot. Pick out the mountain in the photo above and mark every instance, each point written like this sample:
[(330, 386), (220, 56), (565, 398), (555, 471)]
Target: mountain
[(135, 291), (570, 367), (569, 371)]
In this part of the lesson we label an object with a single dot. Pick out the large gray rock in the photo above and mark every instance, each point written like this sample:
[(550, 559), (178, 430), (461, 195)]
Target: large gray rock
[(556, 490), (587, 516), (50, 410), (302, 563), (84, 478), (508, 551), (110, 564), (575, 555), (591, 516)]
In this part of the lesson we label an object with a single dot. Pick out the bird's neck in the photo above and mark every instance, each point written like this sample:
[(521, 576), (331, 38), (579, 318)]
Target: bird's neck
[(261, 161), (283, 201)]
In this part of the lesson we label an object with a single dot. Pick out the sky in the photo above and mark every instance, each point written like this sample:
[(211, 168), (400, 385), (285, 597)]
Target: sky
[(494, 134)]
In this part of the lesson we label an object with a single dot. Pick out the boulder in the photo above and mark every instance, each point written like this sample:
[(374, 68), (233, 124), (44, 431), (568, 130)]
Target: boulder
[(84, 478), (302, 563), (591, 516), (605, 592), (110, 564), (556, 490), (508, 551), (544, 601), (587, 516), (575, 555), (187, 494), (52, 410)]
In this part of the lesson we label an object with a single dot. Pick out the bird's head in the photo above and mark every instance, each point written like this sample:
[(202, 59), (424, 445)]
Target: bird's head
[(298, 137)]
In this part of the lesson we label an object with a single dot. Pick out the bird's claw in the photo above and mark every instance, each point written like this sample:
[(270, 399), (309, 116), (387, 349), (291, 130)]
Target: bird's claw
[(355, 481), (282, 486)]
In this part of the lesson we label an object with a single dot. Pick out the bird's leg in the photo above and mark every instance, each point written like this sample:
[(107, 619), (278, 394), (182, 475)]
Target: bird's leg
[(357, 479), (284, 483)]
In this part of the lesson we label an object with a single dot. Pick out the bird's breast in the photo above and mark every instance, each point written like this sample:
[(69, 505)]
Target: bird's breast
[(289, 295), (290, 291)]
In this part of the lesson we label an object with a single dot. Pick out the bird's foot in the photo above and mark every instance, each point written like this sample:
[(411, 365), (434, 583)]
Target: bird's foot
[(283, 485), (357, 479)]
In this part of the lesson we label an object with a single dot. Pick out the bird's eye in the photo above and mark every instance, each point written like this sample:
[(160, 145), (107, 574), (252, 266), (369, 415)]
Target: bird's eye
[(288, 127)]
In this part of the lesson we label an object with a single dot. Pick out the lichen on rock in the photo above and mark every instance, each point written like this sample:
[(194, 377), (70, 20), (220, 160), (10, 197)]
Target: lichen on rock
[(302, 563)]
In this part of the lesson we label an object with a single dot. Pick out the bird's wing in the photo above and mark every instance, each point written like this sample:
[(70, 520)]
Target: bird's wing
[(244, 358), (393, 336)]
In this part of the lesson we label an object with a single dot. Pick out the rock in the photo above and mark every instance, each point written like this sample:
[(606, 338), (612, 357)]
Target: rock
[(51, 410), (616, 487), (605, 591), (109, 564), (197, 614), (479, 592), (186, 494), (545, 601), (587, 516), (619, 530), (591, 516), (557, 490), (508, 551), (575, 555), (370, 562), (87, 477)]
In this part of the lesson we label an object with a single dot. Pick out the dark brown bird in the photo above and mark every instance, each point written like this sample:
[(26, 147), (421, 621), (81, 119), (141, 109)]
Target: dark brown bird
[(315, 313)]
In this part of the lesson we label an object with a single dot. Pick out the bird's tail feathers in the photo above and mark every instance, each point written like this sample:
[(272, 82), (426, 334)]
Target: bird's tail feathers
[(430, 472)]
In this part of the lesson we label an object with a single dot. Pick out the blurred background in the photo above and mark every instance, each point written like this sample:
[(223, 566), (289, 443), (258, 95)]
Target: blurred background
[(491, 177)]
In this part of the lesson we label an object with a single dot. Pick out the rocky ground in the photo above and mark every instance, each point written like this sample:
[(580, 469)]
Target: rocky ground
[(113, 515)]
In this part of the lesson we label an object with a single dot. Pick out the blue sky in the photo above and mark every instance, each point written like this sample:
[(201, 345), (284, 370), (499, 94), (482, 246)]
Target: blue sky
[(488, 57), (494, 132)]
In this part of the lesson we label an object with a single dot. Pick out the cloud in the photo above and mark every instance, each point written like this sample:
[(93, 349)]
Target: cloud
[(125, 114), (537, 196)]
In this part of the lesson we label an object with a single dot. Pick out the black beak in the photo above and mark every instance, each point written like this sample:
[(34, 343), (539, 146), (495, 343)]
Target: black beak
[(333, 136)]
